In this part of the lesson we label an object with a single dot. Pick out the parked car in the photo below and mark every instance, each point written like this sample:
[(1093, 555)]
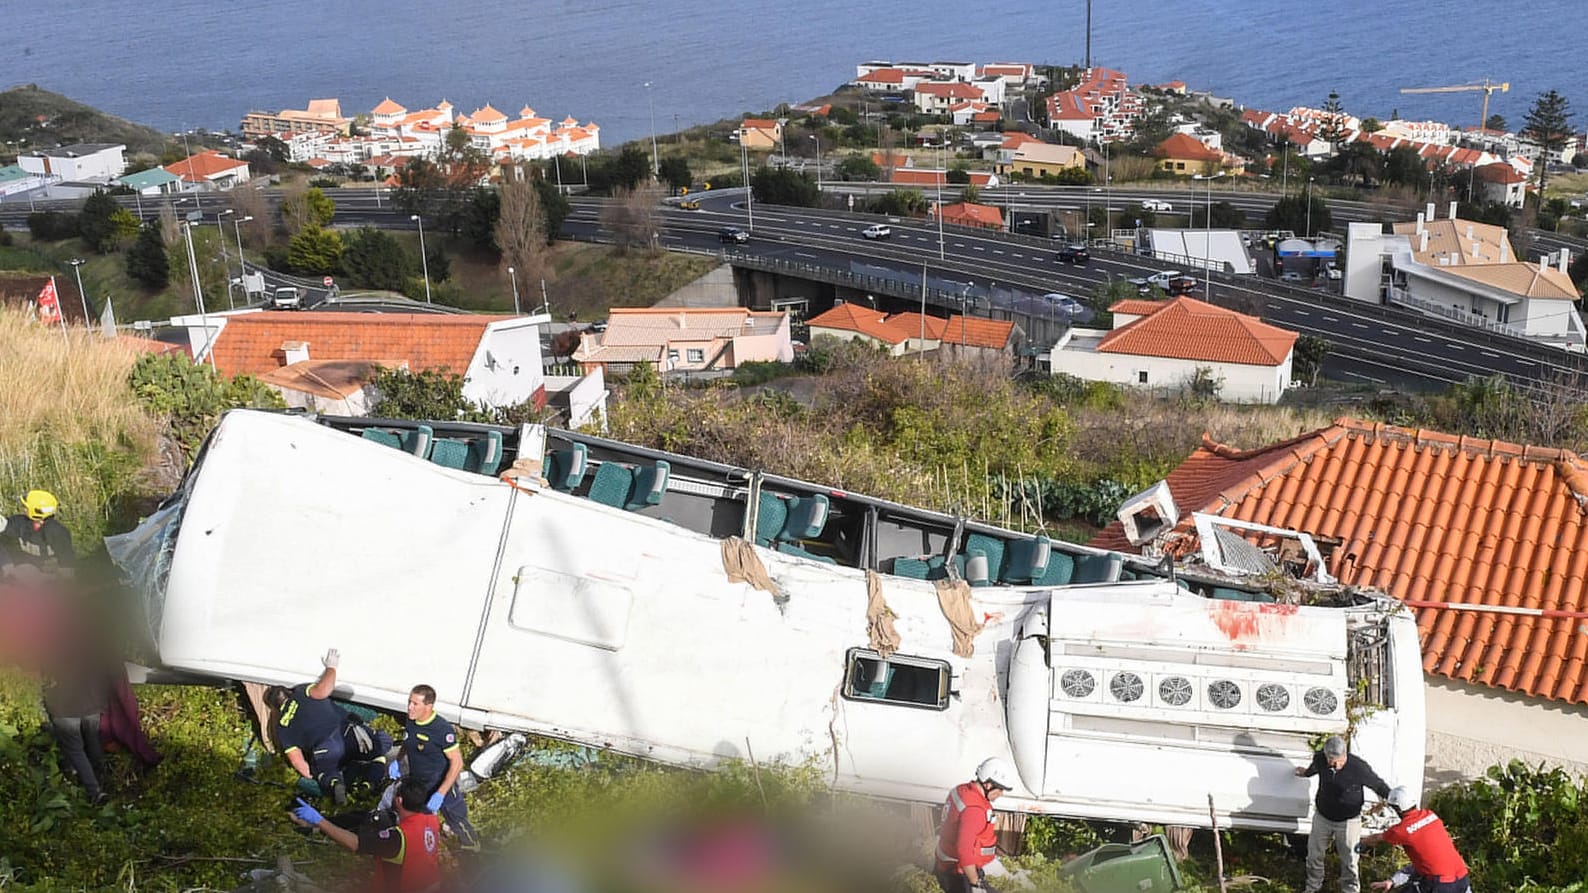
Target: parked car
[(877, 231), (286, 297), (1172, 281), (1292, 276), (732, 234), (1156, 204), (1073, 254), (689, 204), (1070, 307)]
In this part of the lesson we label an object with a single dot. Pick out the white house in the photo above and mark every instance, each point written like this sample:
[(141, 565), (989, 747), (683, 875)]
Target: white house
[(1467, 272), (1163, 345), (937, 97), (209, 170), (82, 163), (1501, 182), (954, 71), (992, 89), (499, 357)]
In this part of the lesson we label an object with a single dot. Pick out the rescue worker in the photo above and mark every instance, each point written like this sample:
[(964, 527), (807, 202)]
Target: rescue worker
[(1337, 816), (320, 739), (431, 754), (1436, 866), (38, 536), (406, 851), (967, 842)]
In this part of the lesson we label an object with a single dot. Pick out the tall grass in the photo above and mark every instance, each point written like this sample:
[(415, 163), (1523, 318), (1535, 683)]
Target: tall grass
[(68, 421)]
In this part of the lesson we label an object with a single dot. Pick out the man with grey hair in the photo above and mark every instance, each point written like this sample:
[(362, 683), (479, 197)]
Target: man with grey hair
[(1337, 819)]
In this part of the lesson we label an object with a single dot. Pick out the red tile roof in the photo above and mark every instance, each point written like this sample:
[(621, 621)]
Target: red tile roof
[(387, 107), (948, 89), (883, 76), (1137, 307), (972, 214), (974, 331), (1500, 172), (864, 320), (1182, 145), (200, 167), (1435, 520), (1188, 329), (250, 343)]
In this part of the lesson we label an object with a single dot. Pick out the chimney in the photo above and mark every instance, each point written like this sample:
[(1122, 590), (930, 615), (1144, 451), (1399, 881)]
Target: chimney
[(1423, 245), (1469, 231), (294, 352), (1565, 255), (1452, 210), (1420, 220), (1430, 210)]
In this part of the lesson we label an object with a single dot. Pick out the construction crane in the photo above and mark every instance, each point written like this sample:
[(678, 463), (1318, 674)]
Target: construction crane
[(1488, 87)]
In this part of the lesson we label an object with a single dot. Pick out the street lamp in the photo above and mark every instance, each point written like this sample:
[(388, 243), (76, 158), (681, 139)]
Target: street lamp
[(77, 269), (1207, 236), (942, 175), (818, 161), (424, 259), (514, 276), (1309, 206), (749, 191), (226, 272), (198, 293), (656, 163)]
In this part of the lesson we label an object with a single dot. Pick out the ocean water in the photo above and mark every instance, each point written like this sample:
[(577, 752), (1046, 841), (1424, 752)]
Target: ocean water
[(204, 63)]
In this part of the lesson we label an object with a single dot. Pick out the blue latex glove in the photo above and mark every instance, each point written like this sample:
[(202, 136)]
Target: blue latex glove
[(434, 803), (307, 813), (394, 770)]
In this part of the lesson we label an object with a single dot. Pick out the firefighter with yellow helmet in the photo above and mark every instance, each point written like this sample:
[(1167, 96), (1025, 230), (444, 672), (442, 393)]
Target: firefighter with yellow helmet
[(36, 536)]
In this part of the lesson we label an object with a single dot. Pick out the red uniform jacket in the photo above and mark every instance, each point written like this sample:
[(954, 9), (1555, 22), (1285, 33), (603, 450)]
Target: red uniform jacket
[(967, 836), (416, 866), (1428, 844)]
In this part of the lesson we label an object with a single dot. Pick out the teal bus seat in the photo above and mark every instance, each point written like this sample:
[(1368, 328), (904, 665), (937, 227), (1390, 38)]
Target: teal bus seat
[(1104, 568), (771, 514), (1060, 569), (914, 568), (1028, 560), (807, 516), (481, 455), (650, 483), (565, 469), (612, 484), (1240, 595), (415, 441), (982, 561)]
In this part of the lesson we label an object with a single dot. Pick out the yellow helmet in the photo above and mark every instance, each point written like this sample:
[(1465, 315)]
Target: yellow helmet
[(41, 504)]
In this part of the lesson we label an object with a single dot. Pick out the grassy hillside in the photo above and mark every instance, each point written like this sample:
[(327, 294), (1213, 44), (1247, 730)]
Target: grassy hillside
[(33, 118)]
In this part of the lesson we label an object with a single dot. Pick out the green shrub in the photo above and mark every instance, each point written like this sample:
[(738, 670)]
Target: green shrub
[(193, 396), (1521, 827)]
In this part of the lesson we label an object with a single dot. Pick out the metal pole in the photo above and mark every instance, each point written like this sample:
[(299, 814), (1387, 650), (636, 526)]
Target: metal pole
[(656, 163), (514, 276), (545, 299), (226, 272), (818, 161), (941, 176), (77, 269), (424, 259), (198, 294)]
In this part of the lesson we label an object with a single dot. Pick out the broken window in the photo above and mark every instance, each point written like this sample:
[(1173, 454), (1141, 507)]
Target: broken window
[(896, 679)]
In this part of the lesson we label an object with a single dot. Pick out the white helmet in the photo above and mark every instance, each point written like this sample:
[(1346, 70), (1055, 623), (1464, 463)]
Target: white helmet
[(996, 771), (1402, 798)]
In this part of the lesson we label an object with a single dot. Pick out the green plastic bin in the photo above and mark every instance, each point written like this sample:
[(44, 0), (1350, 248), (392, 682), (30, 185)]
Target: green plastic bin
[(1143, 867)]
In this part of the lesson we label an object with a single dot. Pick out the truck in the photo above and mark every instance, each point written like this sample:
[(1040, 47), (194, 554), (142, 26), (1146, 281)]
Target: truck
[(1173, 282), (286, 297)]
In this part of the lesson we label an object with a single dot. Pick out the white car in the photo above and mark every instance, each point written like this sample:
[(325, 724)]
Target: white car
[(877, 231), (1156, 204)]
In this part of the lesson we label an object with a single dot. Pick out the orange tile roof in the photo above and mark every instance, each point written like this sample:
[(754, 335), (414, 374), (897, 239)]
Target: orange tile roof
[(864, 320), (759, 124), (1500, 172), (972, 214), (1182, 145), (203, 165), (1137, 307), (250, 343), (914, 323), (974, 331), (488, 114), (1188, 329), (1434, 520), (387, 107)]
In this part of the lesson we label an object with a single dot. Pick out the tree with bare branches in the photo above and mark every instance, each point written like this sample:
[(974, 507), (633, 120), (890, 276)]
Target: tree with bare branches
[(631, 216), (521, 231)]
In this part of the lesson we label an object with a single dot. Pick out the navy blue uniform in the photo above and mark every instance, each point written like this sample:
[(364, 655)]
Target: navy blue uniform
[(427, 746), (313, 726)]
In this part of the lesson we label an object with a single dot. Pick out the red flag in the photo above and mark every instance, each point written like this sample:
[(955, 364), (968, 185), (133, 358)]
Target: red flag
[(49, 304)]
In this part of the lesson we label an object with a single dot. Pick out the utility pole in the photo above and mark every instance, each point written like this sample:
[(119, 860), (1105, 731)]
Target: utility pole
[(1088, 34)]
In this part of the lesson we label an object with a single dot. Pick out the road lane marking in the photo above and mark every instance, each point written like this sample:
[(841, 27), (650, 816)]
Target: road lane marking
[(1525, 362), (1358, 325), (1332, 318), (803, 254), (1422, 339), (1390, 332), (1302, 313), (1453, 346)]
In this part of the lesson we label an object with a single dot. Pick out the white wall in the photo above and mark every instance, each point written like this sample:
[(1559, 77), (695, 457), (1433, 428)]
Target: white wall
[(1366, 245), (1241, 383), (1472, 727), (847, 335), (104, 165), (506, 369)]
